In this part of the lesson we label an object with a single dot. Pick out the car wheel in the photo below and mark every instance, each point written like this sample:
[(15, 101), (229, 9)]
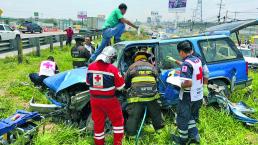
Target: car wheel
[(90, 125), (32, 31), (41, 31), (222, 83), (0, 38)]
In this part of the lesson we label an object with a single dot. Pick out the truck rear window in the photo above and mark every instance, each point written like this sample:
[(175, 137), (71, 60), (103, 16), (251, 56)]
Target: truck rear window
[(217, 50)]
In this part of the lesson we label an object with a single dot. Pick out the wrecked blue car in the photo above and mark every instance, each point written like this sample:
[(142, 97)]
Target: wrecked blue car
[(70, 97)]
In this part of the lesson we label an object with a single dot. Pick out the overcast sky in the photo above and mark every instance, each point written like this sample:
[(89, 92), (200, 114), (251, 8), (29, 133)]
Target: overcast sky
[(137, 9)]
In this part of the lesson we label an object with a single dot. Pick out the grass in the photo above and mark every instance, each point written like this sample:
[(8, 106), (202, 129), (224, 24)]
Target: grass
[(216, 127)]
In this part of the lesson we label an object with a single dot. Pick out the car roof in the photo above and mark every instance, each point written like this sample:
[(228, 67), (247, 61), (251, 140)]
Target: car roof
[(160, 41), (229, 28)]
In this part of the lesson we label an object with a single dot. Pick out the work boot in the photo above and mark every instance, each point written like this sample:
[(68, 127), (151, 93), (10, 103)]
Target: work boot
[(195, 140), (178, 140)]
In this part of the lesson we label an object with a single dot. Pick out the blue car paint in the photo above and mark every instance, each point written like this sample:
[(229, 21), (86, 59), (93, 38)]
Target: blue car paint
[(218, 70)]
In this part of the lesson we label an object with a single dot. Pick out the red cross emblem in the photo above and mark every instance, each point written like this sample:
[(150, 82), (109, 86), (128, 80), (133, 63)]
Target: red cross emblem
[(47, 65), (200, 75), (97, 78)]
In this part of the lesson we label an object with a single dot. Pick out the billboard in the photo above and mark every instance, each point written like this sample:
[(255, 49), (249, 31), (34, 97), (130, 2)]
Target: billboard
[(177, 5), (82, 15)]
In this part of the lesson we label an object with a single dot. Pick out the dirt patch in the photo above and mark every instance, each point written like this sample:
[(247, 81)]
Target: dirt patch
[(47, 127), (252, 138), (2, 92)]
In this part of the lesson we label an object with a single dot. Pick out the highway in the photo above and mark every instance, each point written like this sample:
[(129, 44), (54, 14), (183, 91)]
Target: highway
[(29, 35)]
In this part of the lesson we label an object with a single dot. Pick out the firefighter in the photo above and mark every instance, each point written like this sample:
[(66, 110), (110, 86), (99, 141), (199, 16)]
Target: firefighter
[(191, 95), (141, 80), (104, 79)]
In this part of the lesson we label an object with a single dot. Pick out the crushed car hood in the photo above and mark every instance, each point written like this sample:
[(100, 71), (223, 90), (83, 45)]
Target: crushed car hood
[(66, 79)]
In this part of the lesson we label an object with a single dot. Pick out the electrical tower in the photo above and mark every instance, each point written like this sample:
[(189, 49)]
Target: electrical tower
[(198, 11)]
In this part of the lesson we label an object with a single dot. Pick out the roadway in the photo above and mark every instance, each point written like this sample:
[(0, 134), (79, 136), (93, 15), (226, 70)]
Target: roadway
[(29, 35)]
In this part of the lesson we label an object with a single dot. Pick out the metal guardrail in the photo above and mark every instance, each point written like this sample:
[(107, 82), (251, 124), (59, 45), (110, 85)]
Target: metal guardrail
[(20, 44)]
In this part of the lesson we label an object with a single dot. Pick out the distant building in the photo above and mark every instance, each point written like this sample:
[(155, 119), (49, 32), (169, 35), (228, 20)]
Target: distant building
[(148, 19)]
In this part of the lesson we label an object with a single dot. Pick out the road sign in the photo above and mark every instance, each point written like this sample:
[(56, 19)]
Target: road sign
[(36, 14)]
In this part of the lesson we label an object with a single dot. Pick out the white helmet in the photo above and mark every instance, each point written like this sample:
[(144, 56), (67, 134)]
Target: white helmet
[(107, 55)]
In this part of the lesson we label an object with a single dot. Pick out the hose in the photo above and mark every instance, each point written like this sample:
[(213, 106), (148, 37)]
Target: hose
[(140, 129)]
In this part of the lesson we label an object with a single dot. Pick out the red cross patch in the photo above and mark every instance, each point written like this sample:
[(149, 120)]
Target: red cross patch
[(97, 80), (184, 69)]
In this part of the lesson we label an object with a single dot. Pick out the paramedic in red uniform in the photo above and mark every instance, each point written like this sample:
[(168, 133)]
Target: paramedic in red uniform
[(104, 79)]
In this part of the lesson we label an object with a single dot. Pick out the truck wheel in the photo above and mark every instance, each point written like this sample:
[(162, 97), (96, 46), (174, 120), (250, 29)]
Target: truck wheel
[(222, 83)]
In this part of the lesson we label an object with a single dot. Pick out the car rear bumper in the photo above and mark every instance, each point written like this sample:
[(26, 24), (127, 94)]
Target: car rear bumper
[(244, 84)]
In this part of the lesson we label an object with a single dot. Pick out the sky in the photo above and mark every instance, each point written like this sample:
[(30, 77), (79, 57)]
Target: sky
[(137, 9)]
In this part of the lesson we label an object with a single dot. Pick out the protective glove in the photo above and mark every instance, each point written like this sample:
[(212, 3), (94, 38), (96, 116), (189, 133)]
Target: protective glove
[(171, 59), (205, 90)]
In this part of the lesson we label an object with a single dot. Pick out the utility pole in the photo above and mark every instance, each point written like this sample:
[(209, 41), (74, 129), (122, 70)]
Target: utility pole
[(235, 15), (226, 17), (220, 6), (198, 13)]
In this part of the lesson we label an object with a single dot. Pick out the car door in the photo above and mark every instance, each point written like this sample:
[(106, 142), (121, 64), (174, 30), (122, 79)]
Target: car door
[(3, 33), (223, 59), (9, 32), (167, 49)]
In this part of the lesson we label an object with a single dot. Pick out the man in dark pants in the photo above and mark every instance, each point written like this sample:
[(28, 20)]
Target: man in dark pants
[(69, 35), (191, 95), (141, 79), (113, 26)]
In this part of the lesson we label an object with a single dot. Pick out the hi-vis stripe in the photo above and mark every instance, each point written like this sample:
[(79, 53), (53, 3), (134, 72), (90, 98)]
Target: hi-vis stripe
[(99, 136), (103, 89), (118, 129), (100, 72), (143, 79)]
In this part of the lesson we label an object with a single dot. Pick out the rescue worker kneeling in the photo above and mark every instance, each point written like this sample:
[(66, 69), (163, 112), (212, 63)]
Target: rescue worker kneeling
[(191, 95), (141, 81), (104, 79)]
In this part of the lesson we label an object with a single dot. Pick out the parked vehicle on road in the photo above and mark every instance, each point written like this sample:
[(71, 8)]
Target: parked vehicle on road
[(30, 27), (249, 58), (7, 33)]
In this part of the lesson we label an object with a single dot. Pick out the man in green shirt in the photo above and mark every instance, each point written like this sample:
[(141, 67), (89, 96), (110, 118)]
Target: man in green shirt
[(113, 26)]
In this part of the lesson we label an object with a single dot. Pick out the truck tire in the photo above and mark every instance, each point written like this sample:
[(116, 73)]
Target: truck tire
[(223, 83)]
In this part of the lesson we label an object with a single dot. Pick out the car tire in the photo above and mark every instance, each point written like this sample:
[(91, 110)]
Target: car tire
[(226, 91), (32, 31), (0, 38), (90, 125), (41, 31)]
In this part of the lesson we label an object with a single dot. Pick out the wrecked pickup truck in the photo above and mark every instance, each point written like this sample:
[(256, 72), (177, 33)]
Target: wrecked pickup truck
[(69, 94)]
